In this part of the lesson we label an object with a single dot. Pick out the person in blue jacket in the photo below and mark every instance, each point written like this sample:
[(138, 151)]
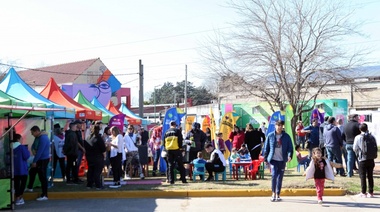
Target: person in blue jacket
[(20, 158), (41, 159), (278, 150)]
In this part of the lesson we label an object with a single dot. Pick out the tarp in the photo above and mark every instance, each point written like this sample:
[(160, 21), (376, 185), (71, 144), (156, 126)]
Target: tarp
[(55, 94), (81, 99), (99, 105), (13, 85), (7, 100), (131, 117)]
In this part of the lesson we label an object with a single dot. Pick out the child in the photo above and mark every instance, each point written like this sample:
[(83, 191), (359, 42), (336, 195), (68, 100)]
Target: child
[(198, 161), (234, 155), (243, 152), (219, 142), (20, 157), (301, 160), (319, 169)]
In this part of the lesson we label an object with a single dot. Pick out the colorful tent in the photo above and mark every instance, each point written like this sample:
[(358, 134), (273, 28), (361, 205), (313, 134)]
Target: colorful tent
[(13, 85), (111, 107), (8, 100), (99, 105), (81, 99), (55, 94), (132, 118)]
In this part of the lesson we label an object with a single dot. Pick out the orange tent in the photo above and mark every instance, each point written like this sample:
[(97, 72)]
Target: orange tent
[(56, 95), (111, 107)]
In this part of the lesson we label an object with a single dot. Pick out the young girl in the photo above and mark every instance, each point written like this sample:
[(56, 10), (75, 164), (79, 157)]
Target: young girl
[(319, 169)]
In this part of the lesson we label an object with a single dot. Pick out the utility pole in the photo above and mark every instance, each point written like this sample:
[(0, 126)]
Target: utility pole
[(141, 89), (184, 127)]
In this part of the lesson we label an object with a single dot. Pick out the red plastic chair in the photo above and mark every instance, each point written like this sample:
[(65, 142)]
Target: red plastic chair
[(255, 168)]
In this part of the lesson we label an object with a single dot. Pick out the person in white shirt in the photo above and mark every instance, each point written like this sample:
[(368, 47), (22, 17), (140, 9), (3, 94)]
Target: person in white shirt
[(132, 152), (117, 146), (217, 162)]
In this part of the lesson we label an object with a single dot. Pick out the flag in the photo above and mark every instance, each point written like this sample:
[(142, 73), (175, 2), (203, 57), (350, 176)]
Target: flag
[(226, 127), (205, 123), (173, 114), (189, 122), (278, 115), (212, 125), (288, 129), (117, 121)]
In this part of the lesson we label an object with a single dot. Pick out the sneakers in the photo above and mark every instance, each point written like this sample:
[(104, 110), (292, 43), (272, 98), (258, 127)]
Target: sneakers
[(43, 198), (127, 177), (278, 199), (142, 176), (273, 199), (210, 178), (370, 195), (20, 201), (361, 195), (320, 202), (115, 185), (29, 189)]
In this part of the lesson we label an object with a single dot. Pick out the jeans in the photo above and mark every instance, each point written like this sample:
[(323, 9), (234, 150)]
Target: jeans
[(366, 170), (350, 159), (277, 169), (335, 154), (301, 141), (344, 153), (20, 183), (95, 168), (157, 155), (79, 160)]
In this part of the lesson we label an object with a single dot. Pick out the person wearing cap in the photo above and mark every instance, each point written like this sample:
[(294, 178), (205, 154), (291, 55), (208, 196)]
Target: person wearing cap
[(199, 137), (173, 144), (70, 149), (351, 130), (278, 150)]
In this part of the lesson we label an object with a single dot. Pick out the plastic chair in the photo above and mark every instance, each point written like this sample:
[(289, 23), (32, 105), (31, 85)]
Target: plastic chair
[(255, 169), (299, 167), (223, 175), (198, 166)]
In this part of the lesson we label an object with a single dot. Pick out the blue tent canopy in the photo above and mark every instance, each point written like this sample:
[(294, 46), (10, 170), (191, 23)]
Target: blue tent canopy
[(129, 113), (99, 105), (13, 85)]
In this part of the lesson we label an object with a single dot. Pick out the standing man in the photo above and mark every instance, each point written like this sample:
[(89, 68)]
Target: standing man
[(70, 149), (334, 143), (173, 144), (41, 159), (351, 130), (217, 162), (277, 151), (313, 134), (81, 150)]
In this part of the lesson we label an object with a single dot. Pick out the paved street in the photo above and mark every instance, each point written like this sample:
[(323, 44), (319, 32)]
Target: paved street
[(331, 203)]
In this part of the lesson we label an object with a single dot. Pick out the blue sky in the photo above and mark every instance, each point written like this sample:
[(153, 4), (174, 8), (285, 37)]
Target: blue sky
[(164, 34)]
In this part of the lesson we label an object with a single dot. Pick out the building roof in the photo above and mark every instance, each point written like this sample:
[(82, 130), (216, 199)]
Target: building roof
[(63, 73)]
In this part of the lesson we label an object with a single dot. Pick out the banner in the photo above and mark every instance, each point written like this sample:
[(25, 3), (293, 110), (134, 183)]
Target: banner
[(205, 123), (173, 114), (317, 114), (212, 125), (226, 127), (278, 115), (288, 129), (189, 121), (117, 121)]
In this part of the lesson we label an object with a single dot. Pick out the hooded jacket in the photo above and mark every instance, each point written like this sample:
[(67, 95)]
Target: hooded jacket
[(333, 136)]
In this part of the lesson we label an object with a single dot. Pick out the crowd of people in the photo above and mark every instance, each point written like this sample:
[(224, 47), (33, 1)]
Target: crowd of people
[(111, 150)]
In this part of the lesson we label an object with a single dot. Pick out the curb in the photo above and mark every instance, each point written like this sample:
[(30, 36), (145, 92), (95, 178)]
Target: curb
[(182, 194)]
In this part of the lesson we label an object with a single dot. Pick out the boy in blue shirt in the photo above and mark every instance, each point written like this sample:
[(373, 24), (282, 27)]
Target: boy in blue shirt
[(199, 160)]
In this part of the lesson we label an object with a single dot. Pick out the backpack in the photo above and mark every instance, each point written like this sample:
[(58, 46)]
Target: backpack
[(368, 149)]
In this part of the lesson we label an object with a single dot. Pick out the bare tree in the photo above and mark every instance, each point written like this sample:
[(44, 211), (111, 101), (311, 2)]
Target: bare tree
[(284, 51)]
